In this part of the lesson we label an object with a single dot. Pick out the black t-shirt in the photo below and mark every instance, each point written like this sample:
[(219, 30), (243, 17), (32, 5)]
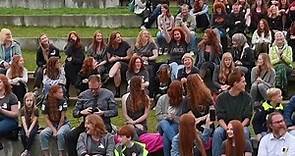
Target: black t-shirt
[(7, 101), (248, 147), (135, 150), (146, 50), (183, 74), (121, 51), (176, 51), (28, 114)]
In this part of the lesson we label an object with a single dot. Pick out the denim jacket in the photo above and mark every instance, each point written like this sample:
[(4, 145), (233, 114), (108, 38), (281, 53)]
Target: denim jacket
[(289, 111)]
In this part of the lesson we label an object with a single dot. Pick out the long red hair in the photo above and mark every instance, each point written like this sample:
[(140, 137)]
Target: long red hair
[(6, 84), (87, 66), (211, 40), (52, 71), (97, 123), (15, 68), (95, 44), (131, 66), (238, 139), (198, 93), (77, 44), (188, 136), (266, 28), (139, 99), (174, 93), (182, 34), (112, 41)]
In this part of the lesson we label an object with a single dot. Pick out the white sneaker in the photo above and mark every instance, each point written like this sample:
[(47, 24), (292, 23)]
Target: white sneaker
[(143, 27), (146, 20), (25, 153)]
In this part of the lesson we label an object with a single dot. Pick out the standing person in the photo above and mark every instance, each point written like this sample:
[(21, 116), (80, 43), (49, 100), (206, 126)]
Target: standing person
[(262, 77), (29, 114), (281, 58), (136, 105), (75, 56), (168, 110), (189, 21), (279, 141), (97, 51), (17, 76), (8, 109), (165, 22), (54, 107), (119, 54), (234, 104), (95, 140), (146, 48), (236, 144), (44, 52), (95, 100), (8, 49)]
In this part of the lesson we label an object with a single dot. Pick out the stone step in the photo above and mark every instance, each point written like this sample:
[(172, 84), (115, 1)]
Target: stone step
[(42, 4), (105, 21)]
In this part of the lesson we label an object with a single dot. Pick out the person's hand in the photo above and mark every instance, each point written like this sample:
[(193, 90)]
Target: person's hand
[(259, 80), (69, 59), (99, 112), (6, 65), (291, 128), (224, 87), (27, 133), (199, 119), (237, 22), (130, 122), (144, 58), (54, 132), (86, 111), (238, 62), (85, 80)]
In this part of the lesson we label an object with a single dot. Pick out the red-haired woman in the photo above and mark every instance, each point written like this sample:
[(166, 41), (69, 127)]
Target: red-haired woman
[(209, 52), (219, 21), (90, 66), (236, 144), (198, 97), (53, 74), (136, 68), (95, 140), (178, 40), (118, 53), (75, 56), (136, 105), (189, 141), (97, 51), (54, 107), (226, 4), (222, 71), (17, 76), (261, 38), (168, 109), (8, 108)]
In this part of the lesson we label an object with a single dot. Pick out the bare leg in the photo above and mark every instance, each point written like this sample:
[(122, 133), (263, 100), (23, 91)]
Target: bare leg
[(117, 78), (61, 153), (114, 69), (45, 153)]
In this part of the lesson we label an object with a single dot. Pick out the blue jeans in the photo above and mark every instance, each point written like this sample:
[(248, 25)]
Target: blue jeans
[(161, 39), (174, 70), (192, 46), (7, 125), (47, 133), (219, 136), (168, 129)]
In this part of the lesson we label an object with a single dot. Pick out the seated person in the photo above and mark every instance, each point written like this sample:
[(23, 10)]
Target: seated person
[(200, 11), (189, 68), (288, 115), (54, 108), (136, 105), (262, 77), (8, 48), (17, 76), (137, 68), (95, 140), (127, 146), (44, 52), (236, 20), (163, 80), (236, 142), (273, 103)]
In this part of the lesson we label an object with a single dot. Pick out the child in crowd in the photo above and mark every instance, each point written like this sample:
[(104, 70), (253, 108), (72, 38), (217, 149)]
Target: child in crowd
[(29, 115), (127, 146)]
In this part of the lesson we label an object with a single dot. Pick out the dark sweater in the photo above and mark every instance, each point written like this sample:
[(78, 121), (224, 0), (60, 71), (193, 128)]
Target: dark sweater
[(233, 107)]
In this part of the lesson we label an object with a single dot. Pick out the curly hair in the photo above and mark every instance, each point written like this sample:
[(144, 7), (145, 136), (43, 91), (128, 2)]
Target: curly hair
[(188, 136), (98, 124), (175, 92), (198, 93), (94, 44), (182, 34), (78, 41), (15, 69), (6, 84), (139, 99), (211, 40), (51, 70), (87, 66), (224, 71), (140, 40), (217, 5)]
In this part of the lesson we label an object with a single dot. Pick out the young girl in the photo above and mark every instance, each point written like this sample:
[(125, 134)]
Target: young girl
[(29, 115)]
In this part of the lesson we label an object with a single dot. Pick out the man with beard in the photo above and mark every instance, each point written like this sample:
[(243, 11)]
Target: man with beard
[(279, 142), (44, 52)]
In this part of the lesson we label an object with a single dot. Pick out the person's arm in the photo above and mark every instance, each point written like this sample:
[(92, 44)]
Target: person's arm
[(274, 58), (258, 120), (287, 55), (171, 24), (124, 108), (112, 110), (24, 123), (62, 77), (220, 110), (24, 79), (160, 108), (34, 121), (110, 146), (187, 33), (160, 22), (50, 125), (166, 35), (12, 114), (248, 154), (79, 109), (272, 78), (247, 113), (144, 116), (155, 54), (288, 112), (253, 75), (39, 58), (61, 120), (268, 38), (17, 49), (82, 145), (78, 59), (262, 149), (215, 77), (204, 10), (255, 38)]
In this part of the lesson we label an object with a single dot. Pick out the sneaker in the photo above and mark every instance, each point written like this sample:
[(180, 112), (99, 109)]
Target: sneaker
[(25, 153), (146, 20), (143, 27)]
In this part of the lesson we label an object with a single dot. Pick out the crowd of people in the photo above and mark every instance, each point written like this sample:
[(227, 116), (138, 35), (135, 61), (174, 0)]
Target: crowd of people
[(206, 95)]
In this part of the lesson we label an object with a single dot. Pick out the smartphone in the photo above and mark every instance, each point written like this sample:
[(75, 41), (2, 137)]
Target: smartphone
[(212, 115)]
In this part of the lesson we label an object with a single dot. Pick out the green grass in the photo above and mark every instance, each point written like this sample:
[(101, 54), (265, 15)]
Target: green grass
[(70, 11), (20, 31)]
